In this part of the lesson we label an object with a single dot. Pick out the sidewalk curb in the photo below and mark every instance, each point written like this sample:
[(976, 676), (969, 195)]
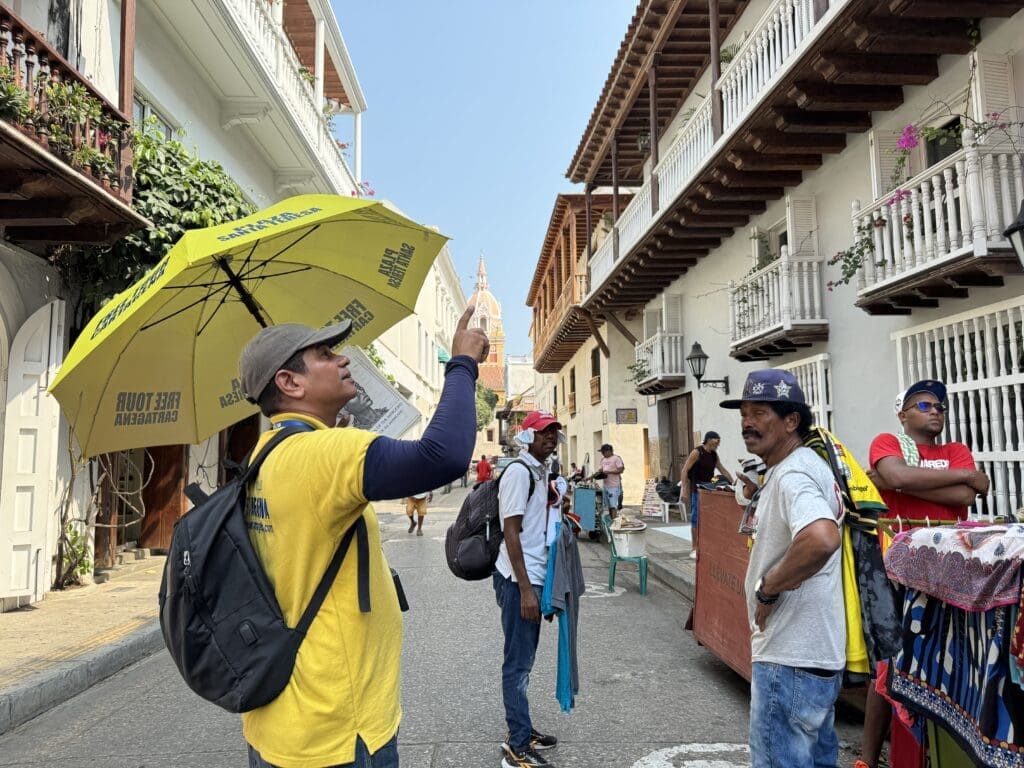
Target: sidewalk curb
[(40, 692)]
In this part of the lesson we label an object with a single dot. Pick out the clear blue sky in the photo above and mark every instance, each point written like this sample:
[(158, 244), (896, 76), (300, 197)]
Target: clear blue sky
[(475, 110)]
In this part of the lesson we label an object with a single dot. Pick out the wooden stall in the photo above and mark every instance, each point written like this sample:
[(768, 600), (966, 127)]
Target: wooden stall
[(720, 604)]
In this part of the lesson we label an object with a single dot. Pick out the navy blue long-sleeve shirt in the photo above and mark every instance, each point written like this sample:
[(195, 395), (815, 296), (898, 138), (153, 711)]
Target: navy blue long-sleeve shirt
[(398, 468)]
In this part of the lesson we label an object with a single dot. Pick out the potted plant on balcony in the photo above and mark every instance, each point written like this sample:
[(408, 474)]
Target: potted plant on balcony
[(13, 99), (638, 372)]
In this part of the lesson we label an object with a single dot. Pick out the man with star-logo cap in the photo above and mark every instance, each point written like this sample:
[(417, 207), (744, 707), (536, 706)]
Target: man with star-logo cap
[(793, 584)]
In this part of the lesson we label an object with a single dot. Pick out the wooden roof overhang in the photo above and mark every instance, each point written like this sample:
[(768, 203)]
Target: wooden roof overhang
[(573, 331), (856, 66), (672, 33), (300, 26)]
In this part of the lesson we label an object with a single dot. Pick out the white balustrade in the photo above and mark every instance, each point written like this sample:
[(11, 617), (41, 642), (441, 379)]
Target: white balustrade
[(273, 51), (635, 220), (783, 294), (601, 262), (960, 205), (661, 356), (688, 152), (770, 45)]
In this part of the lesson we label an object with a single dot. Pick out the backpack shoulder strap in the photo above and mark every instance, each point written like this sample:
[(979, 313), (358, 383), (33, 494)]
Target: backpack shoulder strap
[(257, 461), (359, 531), (529, 473)]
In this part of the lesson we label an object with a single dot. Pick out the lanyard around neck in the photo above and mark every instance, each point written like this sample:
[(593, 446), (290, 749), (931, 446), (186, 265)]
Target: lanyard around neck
[(294, 423)]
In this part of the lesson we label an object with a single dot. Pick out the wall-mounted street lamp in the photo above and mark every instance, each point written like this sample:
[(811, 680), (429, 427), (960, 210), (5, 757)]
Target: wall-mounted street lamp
[(698, 362), (1015, 234), (643, 141)]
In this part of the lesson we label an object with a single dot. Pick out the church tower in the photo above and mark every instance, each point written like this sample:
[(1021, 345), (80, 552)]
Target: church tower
[(488, 317)]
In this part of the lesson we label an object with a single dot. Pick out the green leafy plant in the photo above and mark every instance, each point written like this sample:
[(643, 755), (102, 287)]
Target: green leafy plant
[(75, 551), (307, 74), (638, 371), (486, 400), (13, 99), (371, 352), (727, 53), (850, 259), (176, 191)]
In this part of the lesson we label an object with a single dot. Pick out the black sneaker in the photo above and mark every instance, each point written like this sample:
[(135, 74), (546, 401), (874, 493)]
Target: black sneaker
[(538, 741), (526, 758)]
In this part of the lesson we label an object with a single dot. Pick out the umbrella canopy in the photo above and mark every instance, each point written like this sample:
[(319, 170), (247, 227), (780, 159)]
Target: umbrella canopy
[(158, 365)]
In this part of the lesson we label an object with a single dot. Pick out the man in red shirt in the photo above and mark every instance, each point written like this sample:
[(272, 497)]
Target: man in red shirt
[(483, 470), (918, 476)]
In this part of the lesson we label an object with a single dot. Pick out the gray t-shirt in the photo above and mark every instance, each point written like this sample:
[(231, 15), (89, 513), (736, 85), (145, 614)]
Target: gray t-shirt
[(808, 626)]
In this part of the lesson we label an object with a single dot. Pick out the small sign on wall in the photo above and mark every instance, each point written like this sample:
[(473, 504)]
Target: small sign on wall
[(625, 416)]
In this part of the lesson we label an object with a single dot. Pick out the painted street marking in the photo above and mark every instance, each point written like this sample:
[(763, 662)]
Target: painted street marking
[(694, 756), (595, 589)]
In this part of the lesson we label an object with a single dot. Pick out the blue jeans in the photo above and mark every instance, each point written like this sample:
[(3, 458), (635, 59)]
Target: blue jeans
[(385, 757), (521, 638), (694, 503), (612, 498), (792, 717)]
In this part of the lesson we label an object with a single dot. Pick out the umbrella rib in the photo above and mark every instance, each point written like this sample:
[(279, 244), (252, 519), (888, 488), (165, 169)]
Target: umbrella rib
[(213, 314), (244, 272), (224, 286)]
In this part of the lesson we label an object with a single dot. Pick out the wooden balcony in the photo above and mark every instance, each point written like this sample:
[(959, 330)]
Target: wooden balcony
[(777, 309), (564, 329), (572, 403), (65, 151), (808, 73), (660, 364), (941, 233), (595, 390)]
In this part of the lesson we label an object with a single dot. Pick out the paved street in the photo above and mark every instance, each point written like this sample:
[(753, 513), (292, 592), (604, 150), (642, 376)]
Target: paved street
[(646, 688)]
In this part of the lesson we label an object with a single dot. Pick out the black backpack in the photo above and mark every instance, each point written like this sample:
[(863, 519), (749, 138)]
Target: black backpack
[(220, 618), (473, 540)]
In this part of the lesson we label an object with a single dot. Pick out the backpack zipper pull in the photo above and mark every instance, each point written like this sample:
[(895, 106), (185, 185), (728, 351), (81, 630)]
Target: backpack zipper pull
[(190, 583)]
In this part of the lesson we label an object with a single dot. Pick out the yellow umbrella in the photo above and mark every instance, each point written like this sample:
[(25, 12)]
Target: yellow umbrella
[(159, 364)]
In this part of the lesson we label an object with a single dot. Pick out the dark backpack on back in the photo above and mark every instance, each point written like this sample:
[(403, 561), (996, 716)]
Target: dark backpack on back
[(220, 618), (473, 540)]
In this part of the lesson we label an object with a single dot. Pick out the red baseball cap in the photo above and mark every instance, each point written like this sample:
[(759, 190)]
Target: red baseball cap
[(539, 421)]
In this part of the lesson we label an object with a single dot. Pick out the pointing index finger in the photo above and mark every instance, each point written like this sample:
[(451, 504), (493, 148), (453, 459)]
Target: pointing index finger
[(463, 323)]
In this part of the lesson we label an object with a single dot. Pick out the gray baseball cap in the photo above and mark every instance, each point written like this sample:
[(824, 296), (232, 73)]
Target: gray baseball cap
[(269, 349)]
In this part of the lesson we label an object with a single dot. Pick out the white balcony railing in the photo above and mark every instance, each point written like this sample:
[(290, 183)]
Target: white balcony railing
[(692, 145), (661, 356), (274, 52), (782, 35), (958, 206), (784, 294), (635, 220), (773, 42)]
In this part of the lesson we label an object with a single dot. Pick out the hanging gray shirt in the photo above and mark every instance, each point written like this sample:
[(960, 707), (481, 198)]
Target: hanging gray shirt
[(808, 626)]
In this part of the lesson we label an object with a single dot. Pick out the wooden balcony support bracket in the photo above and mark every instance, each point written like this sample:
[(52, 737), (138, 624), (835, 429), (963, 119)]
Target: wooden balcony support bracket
[(23, 185), (713, 191), (778, 143), (611, 318), (734, 178), (827, 97), (761, 161), (877, 69), (744, 208), (793, 120), (596, 333), (712, 218), (886, 34), (964, 9)]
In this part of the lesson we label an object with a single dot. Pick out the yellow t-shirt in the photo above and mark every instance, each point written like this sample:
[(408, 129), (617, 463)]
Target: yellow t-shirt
[(346, 678)]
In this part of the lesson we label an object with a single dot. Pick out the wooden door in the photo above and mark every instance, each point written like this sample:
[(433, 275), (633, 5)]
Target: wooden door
[(680, 436)]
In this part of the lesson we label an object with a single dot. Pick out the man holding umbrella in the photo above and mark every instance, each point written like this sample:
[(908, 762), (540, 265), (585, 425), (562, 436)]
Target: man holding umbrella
[(341, 705)]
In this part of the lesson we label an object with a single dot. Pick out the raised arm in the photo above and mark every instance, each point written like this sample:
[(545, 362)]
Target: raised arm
[(397, 468)]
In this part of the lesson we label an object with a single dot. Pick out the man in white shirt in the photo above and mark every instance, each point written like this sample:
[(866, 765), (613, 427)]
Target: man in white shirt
[(794, 583), (519, 579)]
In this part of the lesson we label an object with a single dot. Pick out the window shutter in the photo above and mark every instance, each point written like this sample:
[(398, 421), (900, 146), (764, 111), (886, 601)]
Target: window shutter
[(993, 86), (673, 313), (758, 251), (802, 226), (652, 322), (883, 161)]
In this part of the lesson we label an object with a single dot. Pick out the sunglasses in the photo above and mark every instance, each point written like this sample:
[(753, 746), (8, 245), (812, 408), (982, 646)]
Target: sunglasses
[(924, 407)]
